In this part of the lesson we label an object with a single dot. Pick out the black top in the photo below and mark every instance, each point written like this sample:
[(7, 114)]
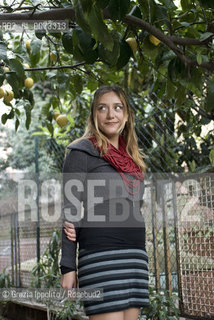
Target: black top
[(111, 217)]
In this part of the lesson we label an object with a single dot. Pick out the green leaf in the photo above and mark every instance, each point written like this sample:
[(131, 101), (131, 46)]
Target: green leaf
[(199, 58), (196, 76), (170, 89), (86, 45), (148, 10), (103, 3), (192, 165), (149, 49), (110, 56), (7, 103), (4, 118), (86, 5), (11, 114), (186, 4), (15, 83), (211, 157), (67, 41), (99, 29), (1, 78), (184, 24), (35, 46), (40, 34), (78, 83), (125, 54), (161, 15), (180, 96), (177, 71), (206, 35), (143, 67), (136, 12), (80, 18), (168, 4), (209, 105), (92, 84), (28, 115), (45, 109), (207, 4), (17, 111), (162, 140), (17, 67), (118, 9), (50, 127), (76, 51), (54, 102), (17, 123), (3, 50), (28, 95)]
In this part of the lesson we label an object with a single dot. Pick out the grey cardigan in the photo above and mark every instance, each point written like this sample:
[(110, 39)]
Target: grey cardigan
[(112, 217)]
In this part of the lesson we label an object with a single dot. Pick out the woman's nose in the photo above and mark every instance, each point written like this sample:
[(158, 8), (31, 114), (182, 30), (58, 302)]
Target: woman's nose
[(110, 113)]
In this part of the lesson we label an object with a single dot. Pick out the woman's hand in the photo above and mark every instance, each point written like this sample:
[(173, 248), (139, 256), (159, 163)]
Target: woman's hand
[(69, 280), (70, 231)]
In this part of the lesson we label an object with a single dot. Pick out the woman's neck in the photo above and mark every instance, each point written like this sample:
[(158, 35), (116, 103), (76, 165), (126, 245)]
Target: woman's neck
[(114, 142)]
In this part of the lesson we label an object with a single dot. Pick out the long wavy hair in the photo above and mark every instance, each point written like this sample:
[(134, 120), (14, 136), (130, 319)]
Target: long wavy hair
[(127, 130)]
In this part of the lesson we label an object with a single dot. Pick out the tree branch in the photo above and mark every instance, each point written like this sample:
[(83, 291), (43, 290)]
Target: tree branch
[(190, 41), (134, 21), (75, 66), (69, 13), (54, 14)]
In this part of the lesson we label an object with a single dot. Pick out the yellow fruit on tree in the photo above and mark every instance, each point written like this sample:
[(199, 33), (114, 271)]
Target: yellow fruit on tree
[(6, 69), (133, 44), (8, 96), (2, 93), (26, 65), (28, 44), (62, 120), (55, 115), (29, 83), (154, 40), (53, 57)]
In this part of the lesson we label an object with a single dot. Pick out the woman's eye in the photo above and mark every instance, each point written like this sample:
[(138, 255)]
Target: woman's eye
[(119, 107), (101, 107)]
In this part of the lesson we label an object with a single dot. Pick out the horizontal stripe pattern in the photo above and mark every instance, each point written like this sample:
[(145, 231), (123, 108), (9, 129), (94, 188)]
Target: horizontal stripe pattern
[(121, 273)]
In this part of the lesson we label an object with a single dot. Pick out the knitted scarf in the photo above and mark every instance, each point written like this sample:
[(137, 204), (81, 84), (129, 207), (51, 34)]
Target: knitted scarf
[(124, 165)]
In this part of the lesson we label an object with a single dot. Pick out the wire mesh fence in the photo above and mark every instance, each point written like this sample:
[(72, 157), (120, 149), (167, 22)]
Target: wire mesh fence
[(195, 206)]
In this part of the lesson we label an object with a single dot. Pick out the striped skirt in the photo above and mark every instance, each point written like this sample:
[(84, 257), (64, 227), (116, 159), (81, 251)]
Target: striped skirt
[(122, 274)]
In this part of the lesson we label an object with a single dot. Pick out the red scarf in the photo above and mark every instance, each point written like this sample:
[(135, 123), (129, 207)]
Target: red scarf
[(123, 163)]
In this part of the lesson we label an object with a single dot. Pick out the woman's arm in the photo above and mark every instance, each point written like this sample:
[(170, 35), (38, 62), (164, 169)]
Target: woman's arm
[(69, 280), (74, 172)]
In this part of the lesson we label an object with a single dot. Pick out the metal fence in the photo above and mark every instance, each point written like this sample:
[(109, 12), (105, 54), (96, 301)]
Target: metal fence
[(181, 241), (195, 234), (179, 215)]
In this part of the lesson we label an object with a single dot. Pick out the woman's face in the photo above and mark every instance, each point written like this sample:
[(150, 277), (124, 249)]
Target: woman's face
[(111, 114)]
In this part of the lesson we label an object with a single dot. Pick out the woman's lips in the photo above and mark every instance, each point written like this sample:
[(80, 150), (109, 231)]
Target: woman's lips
[(111, 123)]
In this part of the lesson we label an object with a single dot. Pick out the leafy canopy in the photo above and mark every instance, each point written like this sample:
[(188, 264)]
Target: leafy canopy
[(166, 66)]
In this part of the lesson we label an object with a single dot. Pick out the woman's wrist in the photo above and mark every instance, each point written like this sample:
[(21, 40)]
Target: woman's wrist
[(65, 270)]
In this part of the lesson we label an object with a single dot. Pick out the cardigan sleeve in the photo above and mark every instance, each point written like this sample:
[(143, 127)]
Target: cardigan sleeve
[(74, 173)]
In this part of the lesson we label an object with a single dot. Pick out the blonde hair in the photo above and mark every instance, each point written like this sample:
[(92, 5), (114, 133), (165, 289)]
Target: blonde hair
[(127, 129)]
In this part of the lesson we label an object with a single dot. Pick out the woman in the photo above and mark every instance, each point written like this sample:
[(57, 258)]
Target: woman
[(111, 235)]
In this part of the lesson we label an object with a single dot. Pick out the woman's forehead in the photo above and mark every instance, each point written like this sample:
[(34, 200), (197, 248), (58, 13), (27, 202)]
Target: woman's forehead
[(109, 97)]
